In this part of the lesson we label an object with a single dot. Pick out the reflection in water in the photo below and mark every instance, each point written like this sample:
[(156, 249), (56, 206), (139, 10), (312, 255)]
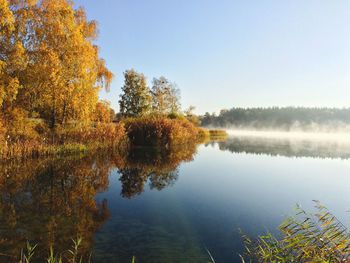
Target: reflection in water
[(97, 197), (50, 201), (287, 147), (159, 167)]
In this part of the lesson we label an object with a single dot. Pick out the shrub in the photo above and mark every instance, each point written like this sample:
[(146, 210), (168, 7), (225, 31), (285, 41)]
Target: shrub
[(99, 133), (20, 128), (160, 131), (103, 112), (218, 133)]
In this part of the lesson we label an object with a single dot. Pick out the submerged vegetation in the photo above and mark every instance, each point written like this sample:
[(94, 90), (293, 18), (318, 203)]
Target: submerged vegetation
[(318, 237)]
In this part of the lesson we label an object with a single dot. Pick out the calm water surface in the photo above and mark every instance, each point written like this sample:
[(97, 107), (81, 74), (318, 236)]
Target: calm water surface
[(172, 206)]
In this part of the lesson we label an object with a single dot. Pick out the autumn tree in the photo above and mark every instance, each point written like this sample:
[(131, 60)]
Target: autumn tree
[(57, 70), (136, 99), (165, 96), (13, 58)]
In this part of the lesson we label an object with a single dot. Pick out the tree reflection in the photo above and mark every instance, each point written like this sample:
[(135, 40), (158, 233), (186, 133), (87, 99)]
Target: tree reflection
[(159, 167), (50, 201), (287, 147)]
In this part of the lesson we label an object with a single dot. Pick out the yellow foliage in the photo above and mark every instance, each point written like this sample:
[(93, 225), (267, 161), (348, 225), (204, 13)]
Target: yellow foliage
[(6, 17), (65, 72), (103, 112), (20, 128), (2, 134)]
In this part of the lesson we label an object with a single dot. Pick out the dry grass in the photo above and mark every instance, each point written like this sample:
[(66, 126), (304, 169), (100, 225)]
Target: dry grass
[(68, 140)]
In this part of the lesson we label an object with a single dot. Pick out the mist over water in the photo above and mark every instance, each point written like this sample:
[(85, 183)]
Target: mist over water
[(339, 136), (289, 144)]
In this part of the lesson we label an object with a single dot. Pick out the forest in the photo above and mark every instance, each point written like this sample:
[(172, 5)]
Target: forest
[(282, 118)]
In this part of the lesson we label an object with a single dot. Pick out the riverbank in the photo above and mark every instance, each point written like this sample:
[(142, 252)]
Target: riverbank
[(37, 140)]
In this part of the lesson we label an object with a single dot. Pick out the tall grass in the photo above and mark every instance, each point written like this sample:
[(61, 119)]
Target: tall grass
[(317, 237), (70, 256)]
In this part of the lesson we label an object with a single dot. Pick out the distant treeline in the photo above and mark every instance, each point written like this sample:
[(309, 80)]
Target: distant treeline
[(287, 118), (286, 147)]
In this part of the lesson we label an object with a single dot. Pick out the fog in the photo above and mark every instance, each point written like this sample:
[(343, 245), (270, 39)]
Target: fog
[(289, 144), (292, 135)]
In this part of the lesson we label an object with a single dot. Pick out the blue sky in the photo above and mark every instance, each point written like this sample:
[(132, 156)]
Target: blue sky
[(228, 53)]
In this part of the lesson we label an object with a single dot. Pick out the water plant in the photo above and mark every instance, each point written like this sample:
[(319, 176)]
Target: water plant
[(305, 237), (70, 256)]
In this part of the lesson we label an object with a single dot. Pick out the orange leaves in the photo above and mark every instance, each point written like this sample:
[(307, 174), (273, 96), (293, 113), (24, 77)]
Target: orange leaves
[(103, 112)]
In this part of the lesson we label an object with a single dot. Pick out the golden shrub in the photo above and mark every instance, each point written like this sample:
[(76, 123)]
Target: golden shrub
[(19, 127), (105, 133), (160, 131)]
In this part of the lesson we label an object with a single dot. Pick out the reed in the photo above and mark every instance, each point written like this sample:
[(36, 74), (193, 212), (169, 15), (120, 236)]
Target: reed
[(61, 141), (70, 256), (317, 237)]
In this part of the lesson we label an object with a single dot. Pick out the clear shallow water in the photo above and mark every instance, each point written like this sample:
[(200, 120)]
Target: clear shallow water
[(172, 207)]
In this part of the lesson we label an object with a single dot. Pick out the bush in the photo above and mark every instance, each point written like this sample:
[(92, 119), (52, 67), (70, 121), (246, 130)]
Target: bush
[(218, 133), (103, 112), (20, 128), (99, 133), (160, 131), (204, 134)]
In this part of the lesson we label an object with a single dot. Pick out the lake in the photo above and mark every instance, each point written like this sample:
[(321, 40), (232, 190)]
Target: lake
[(170, 206)]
